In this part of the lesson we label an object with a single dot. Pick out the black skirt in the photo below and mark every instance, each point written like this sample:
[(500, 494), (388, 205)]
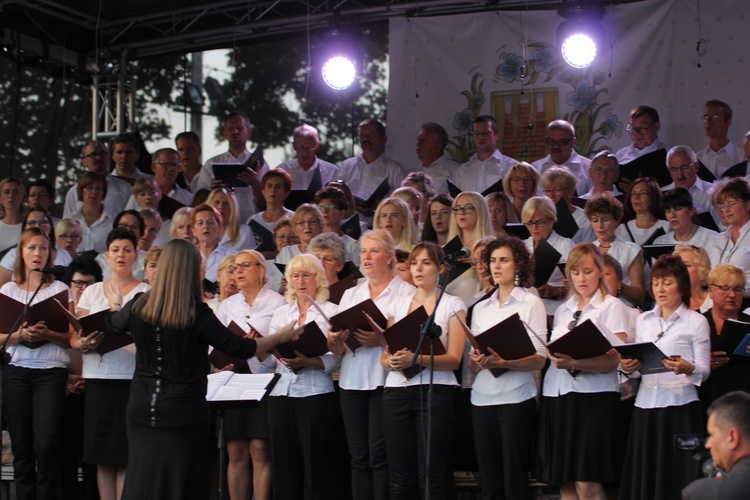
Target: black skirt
[(104, 431), (251, 423), (660, 451), (167, 462), (580, 438)]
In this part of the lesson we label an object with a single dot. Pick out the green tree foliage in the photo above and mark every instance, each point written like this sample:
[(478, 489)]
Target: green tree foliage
[(270, 84)]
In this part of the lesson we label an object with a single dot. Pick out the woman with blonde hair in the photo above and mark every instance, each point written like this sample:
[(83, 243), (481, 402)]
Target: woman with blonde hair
[(559, 184), (247, 430), (394, 216), (413, 199), (68, 235), (520, 183), (225, 281), (180, 226), (300, 405), (539, 216), (470, 220), (207, 228), (307, 223), (501, 212), (234, 235), (580, 440), (362, 376), (35, 378), (698, 265), (167, 415)]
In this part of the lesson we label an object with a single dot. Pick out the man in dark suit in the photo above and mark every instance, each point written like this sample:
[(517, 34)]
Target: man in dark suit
[(729, 444)]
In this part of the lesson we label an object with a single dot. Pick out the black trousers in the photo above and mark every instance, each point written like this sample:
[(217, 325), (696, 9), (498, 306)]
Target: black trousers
[(363, 421), (33, 401), (300, 434), (503, 436), (405, 430)]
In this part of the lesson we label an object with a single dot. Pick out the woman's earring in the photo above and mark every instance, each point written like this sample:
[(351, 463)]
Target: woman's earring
[(516, 280)]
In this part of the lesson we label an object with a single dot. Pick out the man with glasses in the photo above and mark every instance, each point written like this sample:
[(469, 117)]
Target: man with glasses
[(166, 166), (488, 165), (95, 158), (646, 156), (721, 154), (560, 141), (683, 166), (41, 194)]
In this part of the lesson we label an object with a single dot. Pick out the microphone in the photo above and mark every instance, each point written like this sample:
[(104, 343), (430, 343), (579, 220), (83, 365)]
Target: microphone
[(464, 253)]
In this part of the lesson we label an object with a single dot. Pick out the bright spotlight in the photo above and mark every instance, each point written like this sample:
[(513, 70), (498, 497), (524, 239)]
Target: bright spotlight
[(581, 33), (339, 72), (579, 50)]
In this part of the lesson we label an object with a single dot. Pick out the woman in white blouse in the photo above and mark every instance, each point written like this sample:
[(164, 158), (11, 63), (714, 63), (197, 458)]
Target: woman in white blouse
[(643, 211), (108, 376), (579, 440), (667, 427), (300, 405), (604, 212), (698, 265), (34, 379), (404, 422), (247, 430), (504, 407), (307, 223), (362, 376), (207, 226), (539, 215), (732, 201), (680, 213)]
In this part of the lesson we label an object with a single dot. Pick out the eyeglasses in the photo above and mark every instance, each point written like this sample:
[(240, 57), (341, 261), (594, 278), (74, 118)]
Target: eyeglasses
[(682, 168), (466, 209), (95, 153), (725, 289), (244, 265), (574, 323), (711, 118), (603, 220), (81, 283), (560, 143), (39, 194), (537, 223), (726, 206), (68, 236), (37, 223), (325, 208), (302, 276), (525, 180), (311, 222), (167, 164), (132, 227), (639, 130)]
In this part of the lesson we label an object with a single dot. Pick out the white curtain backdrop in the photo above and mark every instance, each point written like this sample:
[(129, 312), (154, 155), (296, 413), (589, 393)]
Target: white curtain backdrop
[(466, 65)]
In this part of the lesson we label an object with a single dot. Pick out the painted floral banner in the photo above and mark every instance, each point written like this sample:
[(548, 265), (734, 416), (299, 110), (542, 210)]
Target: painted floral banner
[(452, 69)]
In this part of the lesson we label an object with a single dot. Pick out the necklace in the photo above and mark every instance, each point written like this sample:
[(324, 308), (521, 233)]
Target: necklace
[(689, 237)]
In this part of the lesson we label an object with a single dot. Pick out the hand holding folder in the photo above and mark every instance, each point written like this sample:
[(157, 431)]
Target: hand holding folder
[(356, 318), (45, 311), (96, 323), (582, 342), (405, 334), (221, 360)]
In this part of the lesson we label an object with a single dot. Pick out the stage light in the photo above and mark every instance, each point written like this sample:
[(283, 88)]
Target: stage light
[(580, 35), (339, 72)]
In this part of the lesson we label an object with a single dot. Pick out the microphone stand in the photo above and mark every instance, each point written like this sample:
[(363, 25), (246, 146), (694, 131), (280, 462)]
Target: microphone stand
[(432, 331), (5, 357)]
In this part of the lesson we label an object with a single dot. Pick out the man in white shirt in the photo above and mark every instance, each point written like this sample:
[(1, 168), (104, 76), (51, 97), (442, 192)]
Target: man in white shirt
[(189, 148), (365, 173), (95, 158), (433, 161), (604, 171), (306, 143), (166, 165), (237, 131), (488, 165), (721, 153), (125, 154), (646, 153), (560, 141), (683, 166)]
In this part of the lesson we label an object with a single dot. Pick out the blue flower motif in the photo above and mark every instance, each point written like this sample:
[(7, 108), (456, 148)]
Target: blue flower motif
[(582, 97), (477, 100), (599, 78), (545, 59), (511, 69), (610, 127), (463, 121)]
